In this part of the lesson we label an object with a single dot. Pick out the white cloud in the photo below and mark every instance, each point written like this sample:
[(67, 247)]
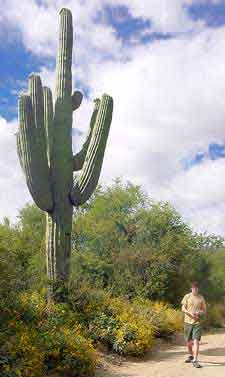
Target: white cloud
[(169, 105), (14, 192), (37, 25), (199, 188), (199, 195), (165, 16), (168, 102)]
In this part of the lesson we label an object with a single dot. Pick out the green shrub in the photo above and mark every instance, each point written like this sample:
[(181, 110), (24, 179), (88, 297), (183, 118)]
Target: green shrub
[(215, 316), (163, 317), (113, 321), (125, 330), (44, 340), (126, 327)]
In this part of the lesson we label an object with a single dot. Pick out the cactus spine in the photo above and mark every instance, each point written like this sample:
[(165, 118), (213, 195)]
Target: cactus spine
[(44, 145)]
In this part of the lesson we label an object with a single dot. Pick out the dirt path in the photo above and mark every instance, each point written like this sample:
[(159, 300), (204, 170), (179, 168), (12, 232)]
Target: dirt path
[(169, 361)]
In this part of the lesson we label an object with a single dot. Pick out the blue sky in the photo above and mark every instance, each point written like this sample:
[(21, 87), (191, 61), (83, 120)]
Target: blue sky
[(212, 14), (18, 62), (16, 65), (162, 61), (215, 151)]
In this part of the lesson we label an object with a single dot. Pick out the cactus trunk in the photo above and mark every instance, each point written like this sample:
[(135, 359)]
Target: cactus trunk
[(58, 251), (44, 145)]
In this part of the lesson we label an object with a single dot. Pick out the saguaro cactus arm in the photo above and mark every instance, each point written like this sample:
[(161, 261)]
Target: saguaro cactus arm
[(48, 121), (32, 147), (62, 155), (19, 150), (87, 181), (64, 59), (77, 98), (79, 158)]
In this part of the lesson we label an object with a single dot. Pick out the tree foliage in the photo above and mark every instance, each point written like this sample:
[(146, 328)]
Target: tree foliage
[(122, 242)]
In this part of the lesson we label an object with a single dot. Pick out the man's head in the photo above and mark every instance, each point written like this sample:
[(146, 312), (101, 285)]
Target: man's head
[(194, 287)]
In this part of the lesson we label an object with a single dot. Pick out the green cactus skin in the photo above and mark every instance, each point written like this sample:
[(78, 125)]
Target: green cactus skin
[(88, 179), (44, 146)]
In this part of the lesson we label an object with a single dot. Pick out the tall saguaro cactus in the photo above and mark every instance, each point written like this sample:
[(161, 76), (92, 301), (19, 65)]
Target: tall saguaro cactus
[(44, 144)]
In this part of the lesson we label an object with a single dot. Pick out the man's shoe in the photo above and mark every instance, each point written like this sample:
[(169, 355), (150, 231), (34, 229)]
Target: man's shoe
[(189, 359), (196, 364)]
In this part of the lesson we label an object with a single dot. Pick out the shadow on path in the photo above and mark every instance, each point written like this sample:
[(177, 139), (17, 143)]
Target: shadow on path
[(219, 351), (212, 364)]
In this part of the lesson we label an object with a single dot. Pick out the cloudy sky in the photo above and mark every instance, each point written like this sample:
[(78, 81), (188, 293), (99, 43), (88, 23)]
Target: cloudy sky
[(164, 64)]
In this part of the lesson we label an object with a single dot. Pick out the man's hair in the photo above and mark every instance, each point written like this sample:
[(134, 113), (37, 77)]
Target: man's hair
[(194, 284)]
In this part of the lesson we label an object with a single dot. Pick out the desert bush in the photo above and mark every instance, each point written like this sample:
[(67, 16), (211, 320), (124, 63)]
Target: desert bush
[(44, 340), (215, 316), (113, 321), (163, 316), (127, 331), (127, 327)]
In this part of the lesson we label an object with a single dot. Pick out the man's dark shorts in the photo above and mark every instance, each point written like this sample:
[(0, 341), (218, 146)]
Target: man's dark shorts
[(192, 331)]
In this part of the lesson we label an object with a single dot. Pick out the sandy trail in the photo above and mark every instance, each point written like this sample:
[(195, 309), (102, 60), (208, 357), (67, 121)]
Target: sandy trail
[(168, 361)]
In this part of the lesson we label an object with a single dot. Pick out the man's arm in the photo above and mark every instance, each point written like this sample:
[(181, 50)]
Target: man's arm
[(203, 307), (184, 305)]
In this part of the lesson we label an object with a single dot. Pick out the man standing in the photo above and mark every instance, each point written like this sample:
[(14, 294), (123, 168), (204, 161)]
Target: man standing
[(194, 307)]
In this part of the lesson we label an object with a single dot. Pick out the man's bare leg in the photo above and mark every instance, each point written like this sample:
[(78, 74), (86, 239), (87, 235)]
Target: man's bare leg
[(190, 347), (190, 351), (196, 349)]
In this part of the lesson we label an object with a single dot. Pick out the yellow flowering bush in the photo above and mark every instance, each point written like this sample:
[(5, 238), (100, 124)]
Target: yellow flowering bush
[(67, 352), (21, 353), (115, 322), (128, 327), (135, 334), (88, 301), (166, 320), (40, 340), (174, 320)]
